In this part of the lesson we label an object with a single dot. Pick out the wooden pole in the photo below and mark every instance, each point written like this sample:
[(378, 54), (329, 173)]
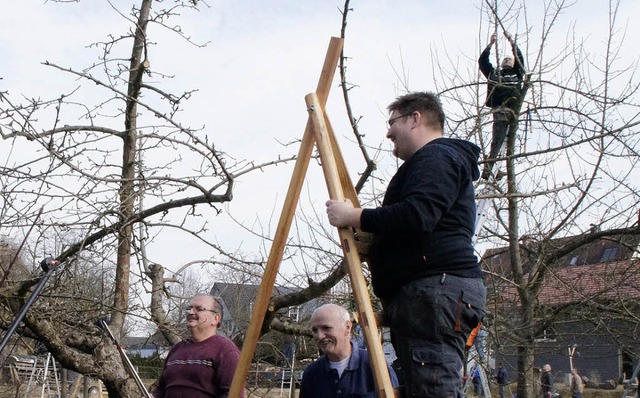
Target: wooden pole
[(348, 189), (358, 283), (284, 225)]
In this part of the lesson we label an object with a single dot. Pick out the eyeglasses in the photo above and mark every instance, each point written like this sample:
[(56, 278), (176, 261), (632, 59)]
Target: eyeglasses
[(198, 308), (391, 121)]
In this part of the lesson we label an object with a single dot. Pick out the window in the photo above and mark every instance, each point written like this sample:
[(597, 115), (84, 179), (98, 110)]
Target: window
[(609, 254), (548, 336)]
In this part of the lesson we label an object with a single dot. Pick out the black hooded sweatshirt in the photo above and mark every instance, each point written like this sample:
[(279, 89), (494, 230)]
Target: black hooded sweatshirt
[(426, 222)]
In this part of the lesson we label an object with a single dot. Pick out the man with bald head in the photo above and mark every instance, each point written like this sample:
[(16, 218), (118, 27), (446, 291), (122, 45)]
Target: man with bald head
[(201, 366), (344, 369)]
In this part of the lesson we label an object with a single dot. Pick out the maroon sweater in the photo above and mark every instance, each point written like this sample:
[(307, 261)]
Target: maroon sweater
[(199, 369)]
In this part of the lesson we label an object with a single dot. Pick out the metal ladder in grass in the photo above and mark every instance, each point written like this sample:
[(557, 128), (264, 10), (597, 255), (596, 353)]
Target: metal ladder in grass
[(45, 372)]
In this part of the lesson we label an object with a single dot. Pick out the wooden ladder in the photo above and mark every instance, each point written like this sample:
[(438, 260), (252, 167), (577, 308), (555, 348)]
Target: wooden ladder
[(318, 131)]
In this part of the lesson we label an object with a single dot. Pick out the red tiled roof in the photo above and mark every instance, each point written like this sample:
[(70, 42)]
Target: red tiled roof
[(617, 281), (603, 268)]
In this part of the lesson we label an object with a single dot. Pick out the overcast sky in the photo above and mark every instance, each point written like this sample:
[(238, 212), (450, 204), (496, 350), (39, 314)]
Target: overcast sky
[(263, 57)]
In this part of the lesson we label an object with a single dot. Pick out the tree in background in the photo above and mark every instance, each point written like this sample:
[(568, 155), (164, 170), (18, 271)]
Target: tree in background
[(107, 187), (571, 163)]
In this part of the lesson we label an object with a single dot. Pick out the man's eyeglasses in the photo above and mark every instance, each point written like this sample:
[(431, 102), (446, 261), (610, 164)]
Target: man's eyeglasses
[(198, 308), (391, 121)]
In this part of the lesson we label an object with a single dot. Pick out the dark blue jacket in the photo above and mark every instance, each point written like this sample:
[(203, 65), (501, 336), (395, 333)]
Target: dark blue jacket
[(501, 377), (426, 222), (546, 380), (503, 85), (320, 381)]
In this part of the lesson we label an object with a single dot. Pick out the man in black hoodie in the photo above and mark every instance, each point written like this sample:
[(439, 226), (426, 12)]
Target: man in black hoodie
[(422, 263), (503, 90)]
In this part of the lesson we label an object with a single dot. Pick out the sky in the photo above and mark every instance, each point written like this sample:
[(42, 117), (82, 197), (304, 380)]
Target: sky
[(262, 58)]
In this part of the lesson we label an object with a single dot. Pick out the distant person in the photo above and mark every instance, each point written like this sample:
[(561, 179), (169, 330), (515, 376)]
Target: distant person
[(477, 381), (203, 365), (503, 89), (358, 333), (546, 381), (344, 370), (422, 262), (501, 379), (359, 340), (576, 385)]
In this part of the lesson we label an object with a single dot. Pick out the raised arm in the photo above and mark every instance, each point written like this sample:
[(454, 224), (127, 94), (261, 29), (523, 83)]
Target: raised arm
[(483, 62), (517, 55)]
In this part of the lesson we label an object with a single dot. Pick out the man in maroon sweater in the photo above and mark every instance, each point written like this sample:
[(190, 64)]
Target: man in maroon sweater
[(203, 365)]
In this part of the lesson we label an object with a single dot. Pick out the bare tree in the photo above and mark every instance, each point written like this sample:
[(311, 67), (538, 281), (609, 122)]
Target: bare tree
[(577, 118), (107, 186)]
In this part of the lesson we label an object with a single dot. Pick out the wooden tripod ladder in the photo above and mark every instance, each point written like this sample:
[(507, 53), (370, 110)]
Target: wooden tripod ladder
[(318, 130)]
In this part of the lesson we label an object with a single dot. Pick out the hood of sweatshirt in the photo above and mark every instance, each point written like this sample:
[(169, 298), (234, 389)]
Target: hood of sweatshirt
[(469, 151)]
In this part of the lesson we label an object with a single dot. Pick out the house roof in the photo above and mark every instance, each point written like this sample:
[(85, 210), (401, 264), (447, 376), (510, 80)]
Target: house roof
[(605, 249), (606, 268), (240, 295), (619, 280), (239, 298), (136, 342), (244, 291)]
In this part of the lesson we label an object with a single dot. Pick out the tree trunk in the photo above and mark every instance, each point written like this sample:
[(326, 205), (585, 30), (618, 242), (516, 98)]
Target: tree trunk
[(127, 187)]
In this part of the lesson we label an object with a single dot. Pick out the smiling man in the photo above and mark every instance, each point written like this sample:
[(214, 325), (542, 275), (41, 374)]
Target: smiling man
[(422, 262), (344, 370), (203, 365)]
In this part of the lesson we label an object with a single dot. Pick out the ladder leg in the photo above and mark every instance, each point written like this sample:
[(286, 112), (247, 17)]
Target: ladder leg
[(45, 376), (55, 375), (284, 225), (480, 217), (31, 376), (356, 275)]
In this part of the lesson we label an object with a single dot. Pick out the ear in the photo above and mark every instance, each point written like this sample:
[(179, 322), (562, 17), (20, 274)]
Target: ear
[(217, 318), (416, 118)]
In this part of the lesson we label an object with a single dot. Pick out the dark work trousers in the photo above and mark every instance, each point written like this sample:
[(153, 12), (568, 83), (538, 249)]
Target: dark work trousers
[(501, 118), (430, 320), (501, 389)]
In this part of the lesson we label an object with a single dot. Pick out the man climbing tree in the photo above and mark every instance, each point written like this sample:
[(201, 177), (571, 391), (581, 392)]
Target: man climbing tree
[(503, 89)]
